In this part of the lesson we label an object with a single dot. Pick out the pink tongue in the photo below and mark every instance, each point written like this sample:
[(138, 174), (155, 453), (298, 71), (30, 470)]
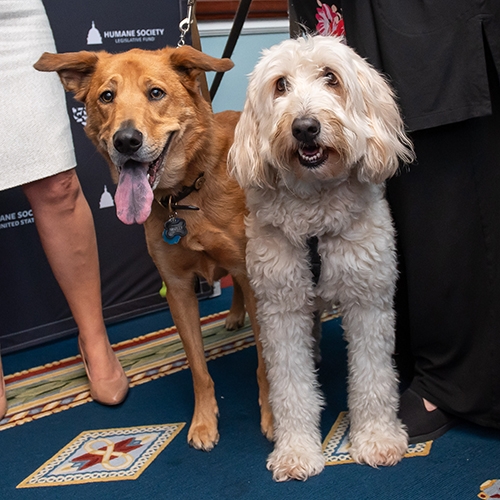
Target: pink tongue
[(133, 195)]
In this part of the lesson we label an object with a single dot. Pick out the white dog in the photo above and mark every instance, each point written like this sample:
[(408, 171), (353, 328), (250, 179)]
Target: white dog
[(319, 134)]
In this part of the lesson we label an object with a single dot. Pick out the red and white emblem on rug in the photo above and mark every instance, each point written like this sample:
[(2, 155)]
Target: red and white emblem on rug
[(490, 489), (104, 455)]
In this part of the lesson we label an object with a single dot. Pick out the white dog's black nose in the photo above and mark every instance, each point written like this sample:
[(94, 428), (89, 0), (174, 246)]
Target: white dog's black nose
[(306, 129), (127, 140)]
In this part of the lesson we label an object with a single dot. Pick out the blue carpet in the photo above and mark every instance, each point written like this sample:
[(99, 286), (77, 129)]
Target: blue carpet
[(457, 465)]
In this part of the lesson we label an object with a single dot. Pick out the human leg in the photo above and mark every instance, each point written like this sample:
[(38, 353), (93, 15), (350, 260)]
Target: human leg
[(64, 223), (445, 210), (3, 397)]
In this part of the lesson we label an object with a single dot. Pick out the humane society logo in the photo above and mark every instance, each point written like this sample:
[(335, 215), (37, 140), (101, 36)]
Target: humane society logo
[(94, 36), (16, 219), (140, 35)]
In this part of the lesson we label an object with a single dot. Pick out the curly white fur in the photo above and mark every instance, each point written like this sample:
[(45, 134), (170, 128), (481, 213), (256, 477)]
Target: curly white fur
[(324, 179)]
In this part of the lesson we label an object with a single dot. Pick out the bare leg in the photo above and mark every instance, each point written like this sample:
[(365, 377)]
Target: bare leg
[(65, 225), (3, 397)]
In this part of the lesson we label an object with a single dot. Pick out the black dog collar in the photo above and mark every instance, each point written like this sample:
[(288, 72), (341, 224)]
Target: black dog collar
[(171, 202)]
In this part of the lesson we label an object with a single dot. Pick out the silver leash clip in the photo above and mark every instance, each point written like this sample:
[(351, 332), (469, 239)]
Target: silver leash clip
[(185, 24)]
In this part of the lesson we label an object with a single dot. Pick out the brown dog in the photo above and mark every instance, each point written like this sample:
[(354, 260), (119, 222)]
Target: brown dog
[(167, 151)]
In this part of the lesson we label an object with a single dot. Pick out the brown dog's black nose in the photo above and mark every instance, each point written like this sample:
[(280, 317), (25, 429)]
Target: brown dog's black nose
[(306, 129), (127, 140)]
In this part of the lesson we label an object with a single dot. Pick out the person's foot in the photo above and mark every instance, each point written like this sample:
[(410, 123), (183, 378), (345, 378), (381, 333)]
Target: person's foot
[(110, 388), (424, 421)]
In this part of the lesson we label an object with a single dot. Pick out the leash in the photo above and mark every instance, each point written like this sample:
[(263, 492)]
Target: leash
[(239, 20), (190, 22), (175, 227), (314, 258)]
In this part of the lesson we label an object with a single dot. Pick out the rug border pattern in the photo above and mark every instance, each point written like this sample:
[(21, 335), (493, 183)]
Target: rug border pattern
[(79, 393)]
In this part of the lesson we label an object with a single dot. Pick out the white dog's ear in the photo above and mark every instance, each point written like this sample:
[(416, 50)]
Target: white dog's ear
[(245, 159), (388, 142)]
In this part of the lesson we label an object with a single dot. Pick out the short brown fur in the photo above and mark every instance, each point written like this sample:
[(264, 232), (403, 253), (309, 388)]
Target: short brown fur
[(215, 243)]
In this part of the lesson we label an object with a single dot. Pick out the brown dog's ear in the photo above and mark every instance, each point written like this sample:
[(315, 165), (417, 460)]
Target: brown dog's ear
[(187, 58), (74, 68)]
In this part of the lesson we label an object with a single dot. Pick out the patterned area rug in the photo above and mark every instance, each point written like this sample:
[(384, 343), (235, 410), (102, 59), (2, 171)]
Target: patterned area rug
[(124, 453), (61, 385)]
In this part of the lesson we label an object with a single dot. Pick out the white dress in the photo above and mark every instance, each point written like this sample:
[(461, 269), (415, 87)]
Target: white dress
[(35, 135)]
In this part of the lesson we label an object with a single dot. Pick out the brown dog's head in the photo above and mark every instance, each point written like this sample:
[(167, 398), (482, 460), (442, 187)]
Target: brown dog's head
[(145, 114)]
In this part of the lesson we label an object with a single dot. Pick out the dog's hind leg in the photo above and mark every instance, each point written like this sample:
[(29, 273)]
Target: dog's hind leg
[(181, 297), (266, 415), (236, 316)]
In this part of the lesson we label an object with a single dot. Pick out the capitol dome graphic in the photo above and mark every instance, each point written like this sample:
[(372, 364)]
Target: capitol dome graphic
[(106, 199), (94, 37)]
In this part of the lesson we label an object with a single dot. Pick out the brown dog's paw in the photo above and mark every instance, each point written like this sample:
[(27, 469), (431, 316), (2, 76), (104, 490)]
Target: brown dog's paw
[(266, 426), (234, 321), (266, 421), (203, 437)]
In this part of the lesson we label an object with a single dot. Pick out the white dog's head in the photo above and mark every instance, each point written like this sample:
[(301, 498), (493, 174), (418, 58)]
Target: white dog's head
[(317, 111)]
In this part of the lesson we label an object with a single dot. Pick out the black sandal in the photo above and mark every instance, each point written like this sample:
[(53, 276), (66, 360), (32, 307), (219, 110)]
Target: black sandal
[(423, 425)]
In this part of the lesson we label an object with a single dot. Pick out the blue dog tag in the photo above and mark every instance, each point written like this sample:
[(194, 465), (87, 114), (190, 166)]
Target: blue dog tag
[(174, 230)]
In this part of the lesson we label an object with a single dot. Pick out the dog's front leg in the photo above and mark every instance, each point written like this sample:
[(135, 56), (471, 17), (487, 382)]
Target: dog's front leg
[(377, 436), (295, 398), (282, 283), (181, 297)]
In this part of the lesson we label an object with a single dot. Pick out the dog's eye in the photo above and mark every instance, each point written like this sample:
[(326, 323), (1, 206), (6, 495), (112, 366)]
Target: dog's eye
[(281, 85), (107, 96), (156, 94), (331, 78)]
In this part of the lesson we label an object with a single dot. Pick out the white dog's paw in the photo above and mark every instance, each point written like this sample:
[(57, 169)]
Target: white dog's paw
[(295, 463), (379, 446)]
